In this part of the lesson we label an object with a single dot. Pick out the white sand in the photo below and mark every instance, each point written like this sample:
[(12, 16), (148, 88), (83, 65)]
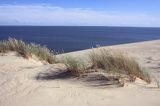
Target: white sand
[(21, 86)]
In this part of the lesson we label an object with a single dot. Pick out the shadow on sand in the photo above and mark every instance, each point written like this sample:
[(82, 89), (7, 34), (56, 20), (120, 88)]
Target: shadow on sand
[(52, 75), (92, 80)]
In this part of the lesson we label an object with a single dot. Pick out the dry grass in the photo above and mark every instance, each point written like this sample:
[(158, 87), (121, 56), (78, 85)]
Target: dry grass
[(110, 61), (117, 62), (27, 50), (75, 66)]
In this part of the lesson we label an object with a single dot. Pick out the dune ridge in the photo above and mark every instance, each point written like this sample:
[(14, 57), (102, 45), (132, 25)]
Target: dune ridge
[(31, 82)]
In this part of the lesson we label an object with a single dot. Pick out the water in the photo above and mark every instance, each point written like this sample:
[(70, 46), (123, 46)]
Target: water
[(71, 38)]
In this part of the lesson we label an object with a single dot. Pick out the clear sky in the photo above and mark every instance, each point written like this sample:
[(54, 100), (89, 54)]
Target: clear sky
[(81, 12)]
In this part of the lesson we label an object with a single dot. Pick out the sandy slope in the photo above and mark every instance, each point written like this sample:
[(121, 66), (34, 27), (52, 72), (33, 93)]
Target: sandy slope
[(31, 83)]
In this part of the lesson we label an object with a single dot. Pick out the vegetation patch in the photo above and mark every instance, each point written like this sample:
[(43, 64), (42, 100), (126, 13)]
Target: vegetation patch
[(116, 62), (106, 61), (75, 66), (112, 64), (27, 50)]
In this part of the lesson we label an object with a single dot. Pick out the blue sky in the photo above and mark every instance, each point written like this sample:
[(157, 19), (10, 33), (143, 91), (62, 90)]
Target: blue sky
[(81, 12)]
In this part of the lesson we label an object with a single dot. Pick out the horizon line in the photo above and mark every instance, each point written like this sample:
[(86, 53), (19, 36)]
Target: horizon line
[(79, 26)]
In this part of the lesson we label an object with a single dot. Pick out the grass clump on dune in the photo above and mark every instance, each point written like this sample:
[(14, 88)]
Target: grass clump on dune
[(109, 61), (116, 62), (74, 65), (27, 50)]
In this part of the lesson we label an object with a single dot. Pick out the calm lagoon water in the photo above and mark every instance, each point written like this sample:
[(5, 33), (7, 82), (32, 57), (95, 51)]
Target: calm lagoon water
[(73, 38)]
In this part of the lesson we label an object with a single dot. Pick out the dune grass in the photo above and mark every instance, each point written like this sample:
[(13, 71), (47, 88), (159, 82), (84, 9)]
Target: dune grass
[(117, 62), (110, 61), (27, 50), (74, 65)]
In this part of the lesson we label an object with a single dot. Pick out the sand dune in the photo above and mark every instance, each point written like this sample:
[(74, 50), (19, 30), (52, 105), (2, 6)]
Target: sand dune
[(31, 83)]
